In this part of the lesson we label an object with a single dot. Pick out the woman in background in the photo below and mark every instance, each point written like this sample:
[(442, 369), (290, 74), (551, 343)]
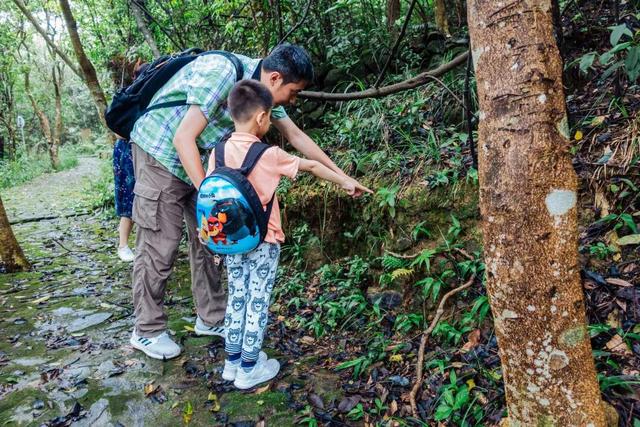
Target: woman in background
[(124, 181)]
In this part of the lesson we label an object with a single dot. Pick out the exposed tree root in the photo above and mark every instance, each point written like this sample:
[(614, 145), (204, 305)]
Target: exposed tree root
[(423, 342)]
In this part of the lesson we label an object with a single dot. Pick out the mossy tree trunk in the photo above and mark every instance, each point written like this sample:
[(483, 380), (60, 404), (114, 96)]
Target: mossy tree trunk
[(528, 206), (11, 257)]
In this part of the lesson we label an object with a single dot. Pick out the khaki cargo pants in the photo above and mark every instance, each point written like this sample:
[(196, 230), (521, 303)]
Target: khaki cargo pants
[(161, 203)]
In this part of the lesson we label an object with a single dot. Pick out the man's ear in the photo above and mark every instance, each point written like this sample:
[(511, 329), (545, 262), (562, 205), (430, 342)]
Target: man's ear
[(275, 78)]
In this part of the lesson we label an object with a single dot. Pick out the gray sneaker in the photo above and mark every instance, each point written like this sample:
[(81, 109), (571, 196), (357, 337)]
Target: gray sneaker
[(201, 329), (263, 371), (231, 368), (160, 347)]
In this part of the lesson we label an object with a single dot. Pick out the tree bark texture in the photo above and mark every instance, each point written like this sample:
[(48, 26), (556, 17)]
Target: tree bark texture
[(528, 205), (11, 257), (88, 71), (440, 12), (143, 27)]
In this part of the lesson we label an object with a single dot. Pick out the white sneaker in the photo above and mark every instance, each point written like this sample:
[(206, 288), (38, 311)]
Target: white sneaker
[(201, 329), (230, 368), (261, 372), (160, 347), (126, 254)]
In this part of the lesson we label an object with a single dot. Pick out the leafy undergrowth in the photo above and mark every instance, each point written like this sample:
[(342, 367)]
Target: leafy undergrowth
[(26, 167), (362, 315)]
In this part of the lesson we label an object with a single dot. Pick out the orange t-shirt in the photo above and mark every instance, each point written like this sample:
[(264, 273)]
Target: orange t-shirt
[(265, 176)]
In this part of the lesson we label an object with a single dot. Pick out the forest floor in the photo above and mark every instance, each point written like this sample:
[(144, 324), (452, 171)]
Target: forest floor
[(65, 356)]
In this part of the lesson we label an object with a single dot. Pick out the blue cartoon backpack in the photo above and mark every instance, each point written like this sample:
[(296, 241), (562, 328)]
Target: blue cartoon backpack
[(232, 219)]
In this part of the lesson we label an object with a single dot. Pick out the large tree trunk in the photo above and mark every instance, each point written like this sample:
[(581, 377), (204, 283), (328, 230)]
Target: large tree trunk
[(89, 72), (11, 257), (143, 27), (528, 205)]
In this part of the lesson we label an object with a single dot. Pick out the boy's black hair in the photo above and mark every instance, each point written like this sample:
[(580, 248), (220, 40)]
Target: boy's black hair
[(247, 97), (293, 62)]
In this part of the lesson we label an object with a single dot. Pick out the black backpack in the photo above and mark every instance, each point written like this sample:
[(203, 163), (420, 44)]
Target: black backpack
[(131, 102), (232, 219)]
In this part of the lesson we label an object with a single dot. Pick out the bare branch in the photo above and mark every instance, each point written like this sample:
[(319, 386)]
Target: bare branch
[(394, 50), (295, 27), (46, 38), (425, 338), (411, 83)]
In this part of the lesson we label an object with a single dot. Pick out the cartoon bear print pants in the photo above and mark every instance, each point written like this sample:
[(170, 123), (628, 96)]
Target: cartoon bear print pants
[(251, 279)]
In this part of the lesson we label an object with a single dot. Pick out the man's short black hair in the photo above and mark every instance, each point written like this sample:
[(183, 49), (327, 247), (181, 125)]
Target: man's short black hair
[(246, 98), (293, 62)]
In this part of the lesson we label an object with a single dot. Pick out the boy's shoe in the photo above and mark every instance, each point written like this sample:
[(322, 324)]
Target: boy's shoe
[(264, 370), (160, 347), (201, 329), (126, 254), (231, 368)]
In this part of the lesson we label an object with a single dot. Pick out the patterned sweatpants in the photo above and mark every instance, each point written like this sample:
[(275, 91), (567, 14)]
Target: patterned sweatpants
[(251, 279)]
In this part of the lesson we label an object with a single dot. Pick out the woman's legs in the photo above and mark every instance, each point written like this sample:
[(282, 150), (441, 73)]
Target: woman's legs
[(124, 231)]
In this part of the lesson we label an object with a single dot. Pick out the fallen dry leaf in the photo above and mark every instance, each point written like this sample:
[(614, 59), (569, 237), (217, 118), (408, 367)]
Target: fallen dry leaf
[(618, 282), (262, 389), (618, 346), (472, 341)]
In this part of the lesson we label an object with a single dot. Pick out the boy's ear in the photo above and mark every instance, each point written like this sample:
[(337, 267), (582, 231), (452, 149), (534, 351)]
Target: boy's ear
[(261, 117)]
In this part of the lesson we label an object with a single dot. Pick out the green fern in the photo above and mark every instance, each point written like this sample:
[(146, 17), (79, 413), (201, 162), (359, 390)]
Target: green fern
[(401, 272), (391, 262)]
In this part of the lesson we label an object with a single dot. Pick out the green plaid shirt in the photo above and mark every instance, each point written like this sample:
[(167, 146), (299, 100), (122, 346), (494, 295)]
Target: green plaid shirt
[(205, 82)]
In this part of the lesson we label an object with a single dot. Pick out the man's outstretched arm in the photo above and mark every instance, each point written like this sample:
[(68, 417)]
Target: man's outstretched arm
[(305, 145)]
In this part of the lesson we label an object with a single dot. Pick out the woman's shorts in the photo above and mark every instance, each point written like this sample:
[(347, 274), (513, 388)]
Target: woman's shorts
[(124, 178)]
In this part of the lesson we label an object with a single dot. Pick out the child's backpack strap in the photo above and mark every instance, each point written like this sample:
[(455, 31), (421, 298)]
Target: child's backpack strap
[(256, 151), (219, 153)]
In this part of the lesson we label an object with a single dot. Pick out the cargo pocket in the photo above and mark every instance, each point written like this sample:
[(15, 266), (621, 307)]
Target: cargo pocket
[(145, 206)]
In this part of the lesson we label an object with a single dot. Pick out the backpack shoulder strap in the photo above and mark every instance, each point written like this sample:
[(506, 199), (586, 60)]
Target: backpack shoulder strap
[(237, 64), (172, 67), (219, 153), (256, 151)]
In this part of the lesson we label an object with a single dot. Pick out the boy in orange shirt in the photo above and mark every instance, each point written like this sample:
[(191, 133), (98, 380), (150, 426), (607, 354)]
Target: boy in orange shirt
[(252, 275)]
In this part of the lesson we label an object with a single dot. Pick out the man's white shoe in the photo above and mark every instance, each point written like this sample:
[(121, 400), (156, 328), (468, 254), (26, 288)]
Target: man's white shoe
[(201, 329), (126, 254), (261, 372), (160, 347), (231, 368)]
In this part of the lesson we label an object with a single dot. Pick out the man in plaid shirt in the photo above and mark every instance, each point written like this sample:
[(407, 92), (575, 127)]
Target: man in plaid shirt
[(171, 145)]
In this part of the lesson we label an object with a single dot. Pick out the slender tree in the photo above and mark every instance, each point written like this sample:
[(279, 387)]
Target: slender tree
[(45, 124), (87, 68), (440, 11), (143, 27), (12, 258), (528, 204)]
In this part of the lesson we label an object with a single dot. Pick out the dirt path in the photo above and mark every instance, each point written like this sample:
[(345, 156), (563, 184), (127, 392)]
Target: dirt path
[(64, 329)]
